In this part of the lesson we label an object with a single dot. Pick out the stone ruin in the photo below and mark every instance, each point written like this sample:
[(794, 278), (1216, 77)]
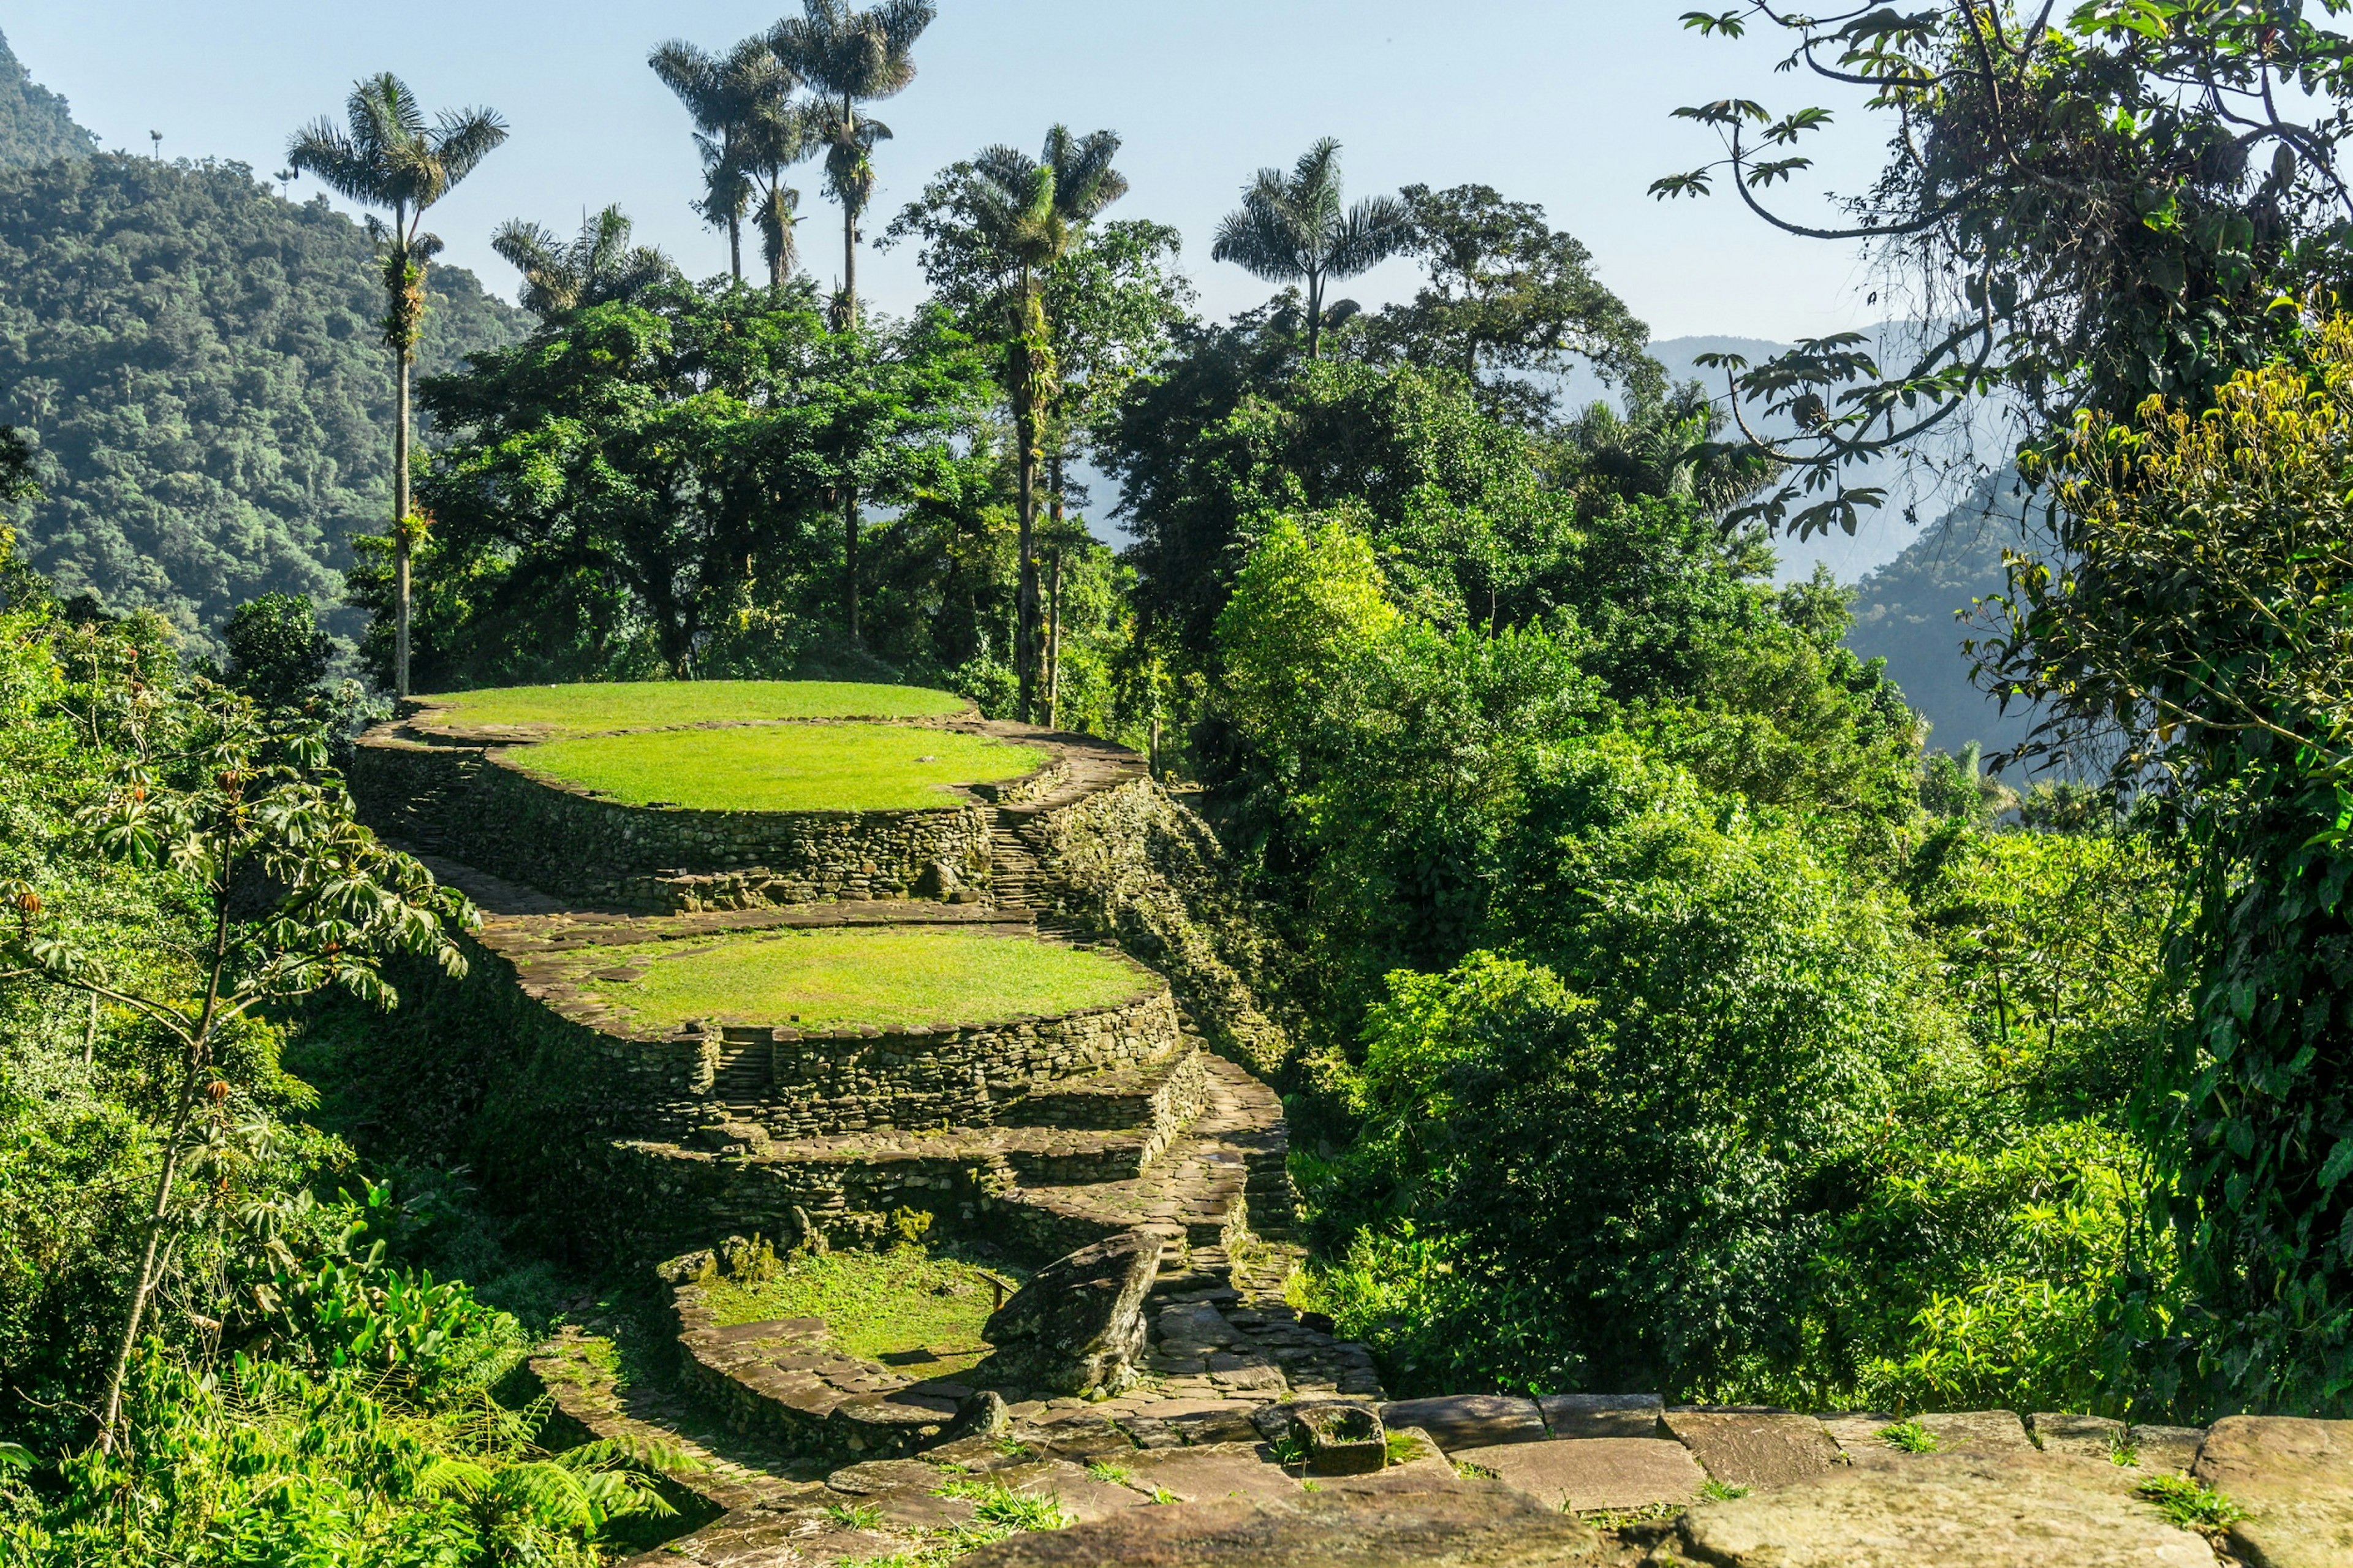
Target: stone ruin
[(1151, 1380)]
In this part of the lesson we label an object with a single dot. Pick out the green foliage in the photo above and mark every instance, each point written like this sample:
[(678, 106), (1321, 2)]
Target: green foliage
[(200, 364), (2191, 1503), (261, 1462), (1909, 1436), (35, 126), (276, 654), (2097, 203), (2232, 698), (1509, 302), (658, 488)]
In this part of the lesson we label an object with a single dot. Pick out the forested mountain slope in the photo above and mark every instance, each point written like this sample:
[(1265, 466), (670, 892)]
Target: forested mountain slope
[(35, 125), (1905, 612), (200, 364)]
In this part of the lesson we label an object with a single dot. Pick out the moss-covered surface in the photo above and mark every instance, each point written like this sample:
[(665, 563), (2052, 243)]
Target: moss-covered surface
[(587, 708), (890, 977), (916, 1310), (784, 767)]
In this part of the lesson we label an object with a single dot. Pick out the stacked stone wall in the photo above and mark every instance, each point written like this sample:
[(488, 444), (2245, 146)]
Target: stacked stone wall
[(856, 1080), (480, 805)]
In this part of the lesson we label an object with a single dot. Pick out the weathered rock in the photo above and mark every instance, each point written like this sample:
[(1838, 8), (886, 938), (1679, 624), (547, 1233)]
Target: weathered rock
[(1218, 1470), (1083, 1497), (1601, 1414), (1755, 1449), (1580, 1473), (1946, 1510), (980, 1414), (1469, 1420), (2085, 1437), (1077, 1324), (1345, 1527), (1978, 1432), (1340, 1440), (2294, 1479), (2168, 1451)]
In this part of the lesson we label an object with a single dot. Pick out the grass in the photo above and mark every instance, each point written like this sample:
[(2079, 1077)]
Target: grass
[(2191, 1504), (877, 1304), (583, 709), (1402, 1449), (1721, 1491), (784, 767), (1910, 1436), (826, 977), (1112, 1475)]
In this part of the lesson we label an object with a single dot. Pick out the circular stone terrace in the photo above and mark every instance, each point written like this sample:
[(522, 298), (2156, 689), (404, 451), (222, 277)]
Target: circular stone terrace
[(672, 797)]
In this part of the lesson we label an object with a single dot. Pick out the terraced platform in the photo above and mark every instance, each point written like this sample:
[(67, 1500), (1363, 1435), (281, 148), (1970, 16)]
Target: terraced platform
[(1030, 1128)]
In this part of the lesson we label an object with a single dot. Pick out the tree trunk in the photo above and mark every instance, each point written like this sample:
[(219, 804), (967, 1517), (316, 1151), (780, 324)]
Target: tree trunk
[(1025, 420), (1054, 591), (736, 247), (400, 541), (1316, 315), (850, 230), (1054, 640), (850, 559)]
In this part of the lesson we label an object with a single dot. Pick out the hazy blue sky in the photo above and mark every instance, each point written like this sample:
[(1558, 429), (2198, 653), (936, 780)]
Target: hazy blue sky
[(1565, 103)]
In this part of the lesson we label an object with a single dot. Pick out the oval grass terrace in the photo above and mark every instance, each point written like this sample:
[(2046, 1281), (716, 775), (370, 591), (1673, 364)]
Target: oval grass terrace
[(783, 767), (827, 977), (553, 712)]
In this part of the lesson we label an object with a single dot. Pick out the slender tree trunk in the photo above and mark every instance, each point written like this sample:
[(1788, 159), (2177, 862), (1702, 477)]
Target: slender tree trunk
[(850, 559), (1054, 639), (849, 227), (1025, 420), (1054, 592), (1316, 315), (736, 247), (400, 541), (192, 1064)]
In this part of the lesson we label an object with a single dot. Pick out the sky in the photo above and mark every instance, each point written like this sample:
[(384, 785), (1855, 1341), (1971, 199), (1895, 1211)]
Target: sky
[(1566, 103), (1562, 102)]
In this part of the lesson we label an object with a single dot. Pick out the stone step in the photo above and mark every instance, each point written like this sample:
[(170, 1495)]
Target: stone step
[(1167, 1094)]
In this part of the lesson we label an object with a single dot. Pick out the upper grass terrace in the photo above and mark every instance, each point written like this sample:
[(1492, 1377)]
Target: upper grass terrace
[(553, 712), (784, 767)]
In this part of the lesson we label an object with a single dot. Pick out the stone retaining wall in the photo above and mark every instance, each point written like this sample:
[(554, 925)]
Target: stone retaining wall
[(801, 1084), (482, 806)]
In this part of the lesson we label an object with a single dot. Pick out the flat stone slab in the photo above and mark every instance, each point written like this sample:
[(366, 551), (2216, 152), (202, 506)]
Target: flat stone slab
[(2294, 1479), (1483, 1527), (1469, 1420), (1946, 1510), (1589, 1473), (1601, 1414), (2168, 1450), (1759, 1450), (1082, 1496), (1979, 1431), (1216, 1472), (2083, 1436)]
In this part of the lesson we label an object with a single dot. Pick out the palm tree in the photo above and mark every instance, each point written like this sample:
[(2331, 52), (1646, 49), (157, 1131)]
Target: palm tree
[(849, 57), (1028, 211), (384, 155), (599, 267), (749, 131), (1293, 228)]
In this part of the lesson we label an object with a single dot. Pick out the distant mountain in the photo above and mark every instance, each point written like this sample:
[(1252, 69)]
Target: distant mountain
[(35, 125), (1907, 612), (200, 364)]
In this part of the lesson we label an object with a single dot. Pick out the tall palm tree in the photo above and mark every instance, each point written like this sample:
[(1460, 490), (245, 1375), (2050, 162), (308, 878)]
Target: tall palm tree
[(848, 58), (384, 155), (1028, 212), (750, 132), (599, 267), (1294, 227)]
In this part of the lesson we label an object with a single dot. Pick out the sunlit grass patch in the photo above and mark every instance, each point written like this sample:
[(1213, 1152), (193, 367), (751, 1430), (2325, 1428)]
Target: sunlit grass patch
[(588, 708), (829, 976), (879, 1306), (784, 767)]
